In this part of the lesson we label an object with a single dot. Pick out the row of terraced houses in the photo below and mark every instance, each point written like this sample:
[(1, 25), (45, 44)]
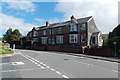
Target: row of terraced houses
[(80, 32)]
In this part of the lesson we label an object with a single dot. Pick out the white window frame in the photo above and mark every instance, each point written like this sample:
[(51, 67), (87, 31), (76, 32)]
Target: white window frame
[(83, 26), (35, 33), (73, 27), (44, 40), (74, 36), (44, 32), (59, 39)]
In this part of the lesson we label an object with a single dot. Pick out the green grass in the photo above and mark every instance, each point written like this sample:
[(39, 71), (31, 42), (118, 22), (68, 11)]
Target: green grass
[(5, 51)]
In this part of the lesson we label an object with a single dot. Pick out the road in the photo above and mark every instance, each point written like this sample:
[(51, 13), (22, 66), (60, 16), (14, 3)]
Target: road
[(45, 64)]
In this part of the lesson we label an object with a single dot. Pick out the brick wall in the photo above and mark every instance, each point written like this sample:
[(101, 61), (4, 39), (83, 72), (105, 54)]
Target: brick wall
[(100, 52), (69, 48)]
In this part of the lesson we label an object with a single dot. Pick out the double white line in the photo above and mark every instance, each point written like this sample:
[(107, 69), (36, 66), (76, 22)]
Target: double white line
[(42, 65), (33, 60)]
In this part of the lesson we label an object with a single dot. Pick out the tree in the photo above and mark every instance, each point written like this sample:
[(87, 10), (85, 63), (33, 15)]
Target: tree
[(16, 34), (7, 37), (114, 36), (116, 31), (11, 35)]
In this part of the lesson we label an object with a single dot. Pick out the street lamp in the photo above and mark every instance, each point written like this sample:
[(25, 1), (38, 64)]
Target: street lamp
[(115, 47)]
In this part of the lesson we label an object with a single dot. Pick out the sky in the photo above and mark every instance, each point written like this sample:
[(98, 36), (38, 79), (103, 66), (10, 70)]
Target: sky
[(26, 14)]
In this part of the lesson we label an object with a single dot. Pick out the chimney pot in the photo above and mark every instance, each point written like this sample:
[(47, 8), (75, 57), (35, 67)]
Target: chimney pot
[(73, 17), (47, 23)]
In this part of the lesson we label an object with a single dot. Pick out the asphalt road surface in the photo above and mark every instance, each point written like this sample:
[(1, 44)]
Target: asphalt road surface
[(45, 64)]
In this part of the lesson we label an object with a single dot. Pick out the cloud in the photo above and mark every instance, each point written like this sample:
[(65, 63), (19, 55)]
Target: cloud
[(14, 23), (51, 20), (22, 5), (54, 20), (104, 12), (39, 20)]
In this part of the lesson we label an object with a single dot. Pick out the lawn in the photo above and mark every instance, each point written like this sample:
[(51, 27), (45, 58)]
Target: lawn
[(5, 51)]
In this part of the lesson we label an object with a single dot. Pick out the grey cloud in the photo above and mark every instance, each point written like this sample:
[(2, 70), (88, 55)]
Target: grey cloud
[(105, 14)]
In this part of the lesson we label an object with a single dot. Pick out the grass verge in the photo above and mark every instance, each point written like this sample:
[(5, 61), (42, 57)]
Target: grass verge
[(5, 51)]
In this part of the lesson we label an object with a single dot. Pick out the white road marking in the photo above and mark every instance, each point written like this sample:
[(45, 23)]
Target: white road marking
[(42, 67), (17, 63), (35, 62), (38, 65), (115, 71), (58, 72), (65, 76), (52, 69), (47, 66), (41, 63), (44, 64)]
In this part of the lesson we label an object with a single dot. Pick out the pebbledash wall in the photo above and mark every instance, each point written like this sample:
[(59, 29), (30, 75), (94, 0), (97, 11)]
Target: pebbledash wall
[(75, 35)]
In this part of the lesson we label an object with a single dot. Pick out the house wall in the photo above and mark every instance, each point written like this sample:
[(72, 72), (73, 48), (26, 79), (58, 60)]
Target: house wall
[(65, 33), (66, 46), (91, 29), (100, 40)]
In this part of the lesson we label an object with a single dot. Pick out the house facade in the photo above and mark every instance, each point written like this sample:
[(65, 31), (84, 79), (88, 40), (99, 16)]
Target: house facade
[(76, 32)]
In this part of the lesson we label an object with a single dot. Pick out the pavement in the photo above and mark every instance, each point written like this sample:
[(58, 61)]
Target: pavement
[(8, 55), (44, 64), (111, 59)]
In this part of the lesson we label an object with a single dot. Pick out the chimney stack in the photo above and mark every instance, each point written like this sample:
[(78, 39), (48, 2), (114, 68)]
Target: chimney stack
[(47, 23), (73, 17)]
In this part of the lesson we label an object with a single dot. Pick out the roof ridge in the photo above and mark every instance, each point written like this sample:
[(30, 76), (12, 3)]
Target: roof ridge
[(64, 22)]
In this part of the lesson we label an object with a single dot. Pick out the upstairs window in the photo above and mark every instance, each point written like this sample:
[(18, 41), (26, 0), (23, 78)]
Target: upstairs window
[(73, 28), (73, 38), (51, 31), (35, 33), (59, 30), (30, 34), (83, 27), (44, 32)]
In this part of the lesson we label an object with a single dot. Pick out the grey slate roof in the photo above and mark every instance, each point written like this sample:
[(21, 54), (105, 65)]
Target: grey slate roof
[(80, 20)]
